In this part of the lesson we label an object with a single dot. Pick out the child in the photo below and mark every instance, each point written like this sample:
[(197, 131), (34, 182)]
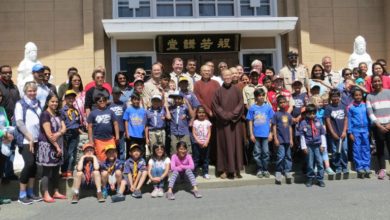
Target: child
[(71, 117), (111, 172), (158, 169), (336, 125), (181, 113), (300, 101), (182, 166), (102, 127), (201, 130), (135, 121), (172, 85), (118, 107), (358, 125), (135, 172), (190, 96), (87, 173), (315, 90), (259, 119), (138, 89), (282, 132), (313, 142)]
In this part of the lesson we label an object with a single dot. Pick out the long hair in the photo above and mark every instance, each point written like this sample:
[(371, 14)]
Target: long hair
[(322, 71), (50, 96), (70, 82), (154, 155)]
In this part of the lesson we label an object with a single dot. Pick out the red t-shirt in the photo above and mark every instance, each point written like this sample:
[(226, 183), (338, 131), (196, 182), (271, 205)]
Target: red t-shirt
[(385, 83), (272, 96)]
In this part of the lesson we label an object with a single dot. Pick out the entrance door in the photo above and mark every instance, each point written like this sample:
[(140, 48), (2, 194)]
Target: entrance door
[(130, 64), (266, 59)]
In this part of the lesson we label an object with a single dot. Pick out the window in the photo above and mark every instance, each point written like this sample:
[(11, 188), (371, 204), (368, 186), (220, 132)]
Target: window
[(174, 8), (255, 7), (216, 8), (142, 9)]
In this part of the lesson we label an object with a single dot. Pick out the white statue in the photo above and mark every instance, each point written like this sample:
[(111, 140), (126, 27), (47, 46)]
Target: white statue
[(26, 65), (360, 55)]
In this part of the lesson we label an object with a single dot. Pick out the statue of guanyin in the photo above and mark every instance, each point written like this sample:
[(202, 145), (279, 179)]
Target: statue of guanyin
[(360, 55), (26, 65)]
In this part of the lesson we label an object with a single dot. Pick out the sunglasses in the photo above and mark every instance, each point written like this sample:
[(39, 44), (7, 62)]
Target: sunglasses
[(7, 73), (102, 100)]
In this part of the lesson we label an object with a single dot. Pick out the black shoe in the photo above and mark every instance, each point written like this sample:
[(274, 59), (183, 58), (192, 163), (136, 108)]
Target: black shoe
[(118, 198), (309, 183), (35, 198), (321, 183), (25, 201)]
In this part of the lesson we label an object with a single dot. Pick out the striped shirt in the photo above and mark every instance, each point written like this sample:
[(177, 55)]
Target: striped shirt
[(378, 107)]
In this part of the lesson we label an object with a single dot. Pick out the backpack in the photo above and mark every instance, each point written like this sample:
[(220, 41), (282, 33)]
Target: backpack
[(18, 135)]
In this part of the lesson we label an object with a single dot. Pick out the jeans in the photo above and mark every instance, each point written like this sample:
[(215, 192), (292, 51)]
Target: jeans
[(340, 156), (261, 153), (201, 158), (314, 158), (71, 142), (283, 158), (361, 151), (157, 172)]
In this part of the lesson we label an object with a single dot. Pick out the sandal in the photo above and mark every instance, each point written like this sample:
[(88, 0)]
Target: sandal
[(59, 196)]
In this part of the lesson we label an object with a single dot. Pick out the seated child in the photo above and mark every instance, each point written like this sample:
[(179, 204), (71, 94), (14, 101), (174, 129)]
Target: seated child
[(158, 169), (111, 171), (87, 173), (135, 173), (182, 166)]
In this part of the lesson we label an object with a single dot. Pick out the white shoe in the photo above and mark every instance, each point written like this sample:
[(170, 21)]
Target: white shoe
[(206, 176), (155, 193), (160, 192)]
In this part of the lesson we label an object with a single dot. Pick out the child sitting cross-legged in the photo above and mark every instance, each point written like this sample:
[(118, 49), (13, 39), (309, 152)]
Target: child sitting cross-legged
[(158, 169)]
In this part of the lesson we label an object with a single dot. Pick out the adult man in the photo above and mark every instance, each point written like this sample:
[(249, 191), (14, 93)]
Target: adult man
[(212, 70), (64, 86), (205, 88), (228, 112), (43, 90), (177, 66), (46, 78), (294, 71), (331, 77), (152, 86), (221, 67), (191, 71), (248, 91)]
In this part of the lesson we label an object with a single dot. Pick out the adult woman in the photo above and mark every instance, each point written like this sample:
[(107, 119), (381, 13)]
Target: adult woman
[(379, 113), (378, 69), (122, 82), (90, 96), (139, 73), (28, 108), (346, 73), (76, 84), (317, 79), (50, 147)]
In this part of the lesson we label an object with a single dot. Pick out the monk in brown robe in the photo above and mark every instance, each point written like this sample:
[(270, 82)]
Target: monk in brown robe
[(228, 107)]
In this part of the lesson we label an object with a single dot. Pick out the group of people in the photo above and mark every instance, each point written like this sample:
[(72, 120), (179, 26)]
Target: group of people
[(173, 125)]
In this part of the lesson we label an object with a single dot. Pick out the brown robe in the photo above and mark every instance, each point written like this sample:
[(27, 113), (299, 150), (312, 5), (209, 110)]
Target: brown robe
[(228, 107)]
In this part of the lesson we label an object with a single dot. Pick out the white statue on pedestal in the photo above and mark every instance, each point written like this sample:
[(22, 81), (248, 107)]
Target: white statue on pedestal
[(360, 55), (26, 65)]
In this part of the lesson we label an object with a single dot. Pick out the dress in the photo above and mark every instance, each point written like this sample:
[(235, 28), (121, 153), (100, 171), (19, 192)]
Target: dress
[(46, 153)]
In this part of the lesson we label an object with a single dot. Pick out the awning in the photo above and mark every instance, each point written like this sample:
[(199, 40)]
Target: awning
[(246, 26)]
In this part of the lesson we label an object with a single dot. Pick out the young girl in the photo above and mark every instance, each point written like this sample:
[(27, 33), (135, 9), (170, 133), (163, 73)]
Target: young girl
[(201, 130), (158, 169), (50, 147), (182, 166), (172, 85)]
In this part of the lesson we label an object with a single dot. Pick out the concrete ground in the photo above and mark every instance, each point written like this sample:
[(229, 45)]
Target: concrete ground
[(343, 199)]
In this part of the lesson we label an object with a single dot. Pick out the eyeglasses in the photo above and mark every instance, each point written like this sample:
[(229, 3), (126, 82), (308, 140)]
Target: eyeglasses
[(347, 74), (7, 73), (99, 77), (76, 80), (102, 100)]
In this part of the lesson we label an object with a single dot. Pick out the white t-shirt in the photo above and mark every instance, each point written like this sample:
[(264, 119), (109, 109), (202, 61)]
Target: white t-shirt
[(159, 163), (32, 121), (202, 129)]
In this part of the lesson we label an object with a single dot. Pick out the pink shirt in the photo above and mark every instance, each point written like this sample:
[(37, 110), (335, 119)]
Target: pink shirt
[(201, 129), (385, 83), (181, 165)]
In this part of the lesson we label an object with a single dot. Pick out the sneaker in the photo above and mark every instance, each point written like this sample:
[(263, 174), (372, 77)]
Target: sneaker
[(288, 178), (4, 201), (381, 174), (197, 194), (160, 192), (266, 174), (321, 183), (170, 196), (278, 178), (25, 201), (100, 197), (105, 192), (329, 171), (35, 198), (154, 193), (259, 174), (75, 198), (309, 183), (346, 171), (118, 198), (206, 176), (137, 194), (338, 172)]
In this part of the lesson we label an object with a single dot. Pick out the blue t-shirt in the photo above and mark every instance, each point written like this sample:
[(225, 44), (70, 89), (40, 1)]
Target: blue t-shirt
[(320, 115), (102, 123), (119, 108), (336, 115), (261, 116), (283, 122), (155, 118), (136, 118), (300, 101)]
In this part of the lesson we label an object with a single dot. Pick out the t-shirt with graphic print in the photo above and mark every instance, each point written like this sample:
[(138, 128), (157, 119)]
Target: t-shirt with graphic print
[(102, 123), (136, 118), (337, 115), (119, 108), (300, 100), (283, 122), (201, 129), (261, 116)]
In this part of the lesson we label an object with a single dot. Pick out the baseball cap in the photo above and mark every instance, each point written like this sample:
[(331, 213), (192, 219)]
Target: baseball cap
[(116, 90), (138, 80), (37, 68), (87, 145), (156, 96), (297, 82), (70, 92), (175, 94), (109, 147), (276, 77), (135, 146), (183, 78)]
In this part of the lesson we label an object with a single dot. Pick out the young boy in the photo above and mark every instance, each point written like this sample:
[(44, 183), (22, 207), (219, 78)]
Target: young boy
[(358, 125), (259, 119), (300, 101), (87, 173), (118, 107), (313, 143), (135, 121), (135, 172), (248, 90), (282, 132), (111, 171), (190, 96), (71, 117), (336, 125), (103, 129), (181, 113)]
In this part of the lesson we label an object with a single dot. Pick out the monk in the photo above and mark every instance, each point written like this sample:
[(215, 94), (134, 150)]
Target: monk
[(228, 107)]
